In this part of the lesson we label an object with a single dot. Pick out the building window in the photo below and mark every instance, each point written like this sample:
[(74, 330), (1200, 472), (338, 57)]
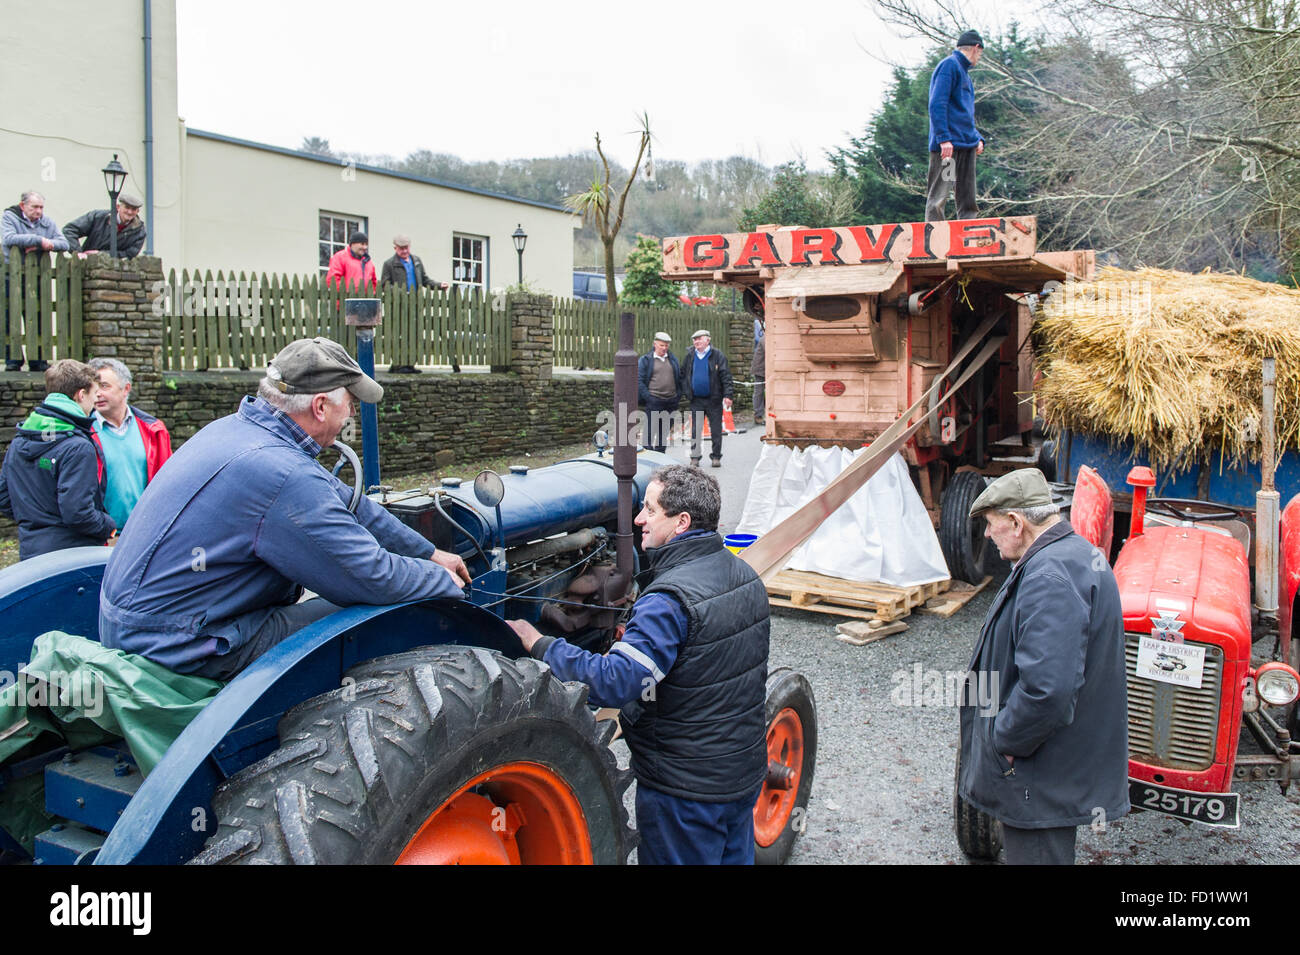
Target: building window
[(469, 261), (335, 227)]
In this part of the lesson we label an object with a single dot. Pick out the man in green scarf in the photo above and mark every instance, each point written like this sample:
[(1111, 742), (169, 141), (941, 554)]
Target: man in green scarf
[(52, 482)]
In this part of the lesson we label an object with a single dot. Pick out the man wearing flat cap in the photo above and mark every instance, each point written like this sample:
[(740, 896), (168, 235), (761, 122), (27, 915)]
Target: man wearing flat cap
[(208, 573), (1054, 754), (93, 231), (954, 140), (658, 390), (706, 381)]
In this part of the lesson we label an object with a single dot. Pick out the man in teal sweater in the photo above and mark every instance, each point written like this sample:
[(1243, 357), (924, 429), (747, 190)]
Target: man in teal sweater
[(134, 444)]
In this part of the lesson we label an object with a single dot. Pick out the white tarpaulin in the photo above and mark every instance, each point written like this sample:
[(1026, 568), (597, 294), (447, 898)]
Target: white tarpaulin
[(882, 534)]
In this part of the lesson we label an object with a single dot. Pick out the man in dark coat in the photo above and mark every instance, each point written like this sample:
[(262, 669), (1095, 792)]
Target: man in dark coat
[(1054, 753), (658, 390), (52, 481), (706, 381), (406, 269), (689, 675), (92, 232)]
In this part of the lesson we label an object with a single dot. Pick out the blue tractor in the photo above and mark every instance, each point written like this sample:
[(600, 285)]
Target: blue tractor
[(411, 733)]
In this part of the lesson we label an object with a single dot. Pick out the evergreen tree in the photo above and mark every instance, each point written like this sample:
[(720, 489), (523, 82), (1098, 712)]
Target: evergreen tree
[(642, 284)]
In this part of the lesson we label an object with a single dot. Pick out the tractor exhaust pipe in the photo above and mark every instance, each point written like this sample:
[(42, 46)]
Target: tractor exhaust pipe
[(624, 446), (1267, 503)]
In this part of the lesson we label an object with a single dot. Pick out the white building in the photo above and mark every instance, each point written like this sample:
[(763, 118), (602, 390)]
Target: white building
[(214, 201)]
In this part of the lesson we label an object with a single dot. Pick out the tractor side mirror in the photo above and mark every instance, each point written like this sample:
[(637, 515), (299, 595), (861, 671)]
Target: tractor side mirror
[(489, 488)]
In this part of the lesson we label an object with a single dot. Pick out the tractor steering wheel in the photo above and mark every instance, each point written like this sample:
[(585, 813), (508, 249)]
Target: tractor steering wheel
[(1187, 509), (348, 456)]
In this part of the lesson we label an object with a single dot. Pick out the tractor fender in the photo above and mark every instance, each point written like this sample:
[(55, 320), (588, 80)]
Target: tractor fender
[(55, 591), (170, 816), (1092, 511), (1288, 574)]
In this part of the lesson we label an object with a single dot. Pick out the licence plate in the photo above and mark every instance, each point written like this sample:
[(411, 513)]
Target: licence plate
[(1212, 809)]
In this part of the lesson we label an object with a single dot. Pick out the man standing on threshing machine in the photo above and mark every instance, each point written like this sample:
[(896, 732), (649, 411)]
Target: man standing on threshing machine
[(689, 675), (1055, 755), (954, 140), (208, 573)]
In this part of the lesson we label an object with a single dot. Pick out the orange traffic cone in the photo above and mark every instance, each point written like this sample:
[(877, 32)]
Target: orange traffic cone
[(728, 425)]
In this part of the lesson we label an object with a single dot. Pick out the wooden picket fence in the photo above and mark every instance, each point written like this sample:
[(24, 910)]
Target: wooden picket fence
[(42, 306), (230, 321), (586, 333)]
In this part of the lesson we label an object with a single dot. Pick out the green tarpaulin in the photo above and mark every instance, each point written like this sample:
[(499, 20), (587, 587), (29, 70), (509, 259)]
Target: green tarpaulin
[(86, 694)]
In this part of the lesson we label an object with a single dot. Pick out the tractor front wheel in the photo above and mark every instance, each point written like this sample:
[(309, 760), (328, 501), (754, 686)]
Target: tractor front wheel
[(440, 755)]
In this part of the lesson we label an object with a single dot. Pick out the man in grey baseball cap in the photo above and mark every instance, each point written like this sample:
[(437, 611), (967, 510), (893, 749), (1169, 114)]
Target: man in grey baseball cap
[(208, 572), (1046, 748)]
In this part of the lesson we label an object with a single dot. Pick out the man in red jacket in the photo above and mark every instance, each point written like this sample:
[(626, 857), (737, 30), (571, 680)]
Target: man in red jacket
[(134, 444), (352, 267)]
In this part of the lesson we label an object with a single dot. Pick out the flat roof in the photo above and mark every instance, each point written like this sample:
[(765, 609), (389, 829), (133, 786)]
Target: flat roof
[(378, 170)]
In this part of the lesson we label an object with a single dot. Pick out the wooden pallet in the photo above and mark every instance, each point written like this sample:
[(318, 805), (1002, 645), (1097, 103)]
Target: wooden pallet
[(957, 597), (804, 590)]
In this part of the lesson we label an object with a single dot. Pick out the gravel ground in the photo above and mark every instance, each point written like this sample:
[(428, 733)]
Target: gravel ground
[(883, 787)]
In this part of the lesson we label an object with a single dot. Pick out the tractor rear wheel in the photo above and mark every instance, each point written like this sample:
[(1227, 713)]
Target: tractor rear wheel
[(441, 754), (962, 538), (978, 834), (780, 814)]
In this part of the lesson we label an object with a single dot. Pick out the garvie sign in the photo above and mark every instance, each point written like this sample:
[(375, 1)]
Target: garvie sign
[(906, 243)]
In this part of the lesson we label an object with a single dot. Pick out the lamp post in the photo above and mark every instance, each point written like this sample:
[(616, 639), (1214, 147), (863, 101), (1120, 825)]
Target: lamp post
[(521, 238), (114, 177)]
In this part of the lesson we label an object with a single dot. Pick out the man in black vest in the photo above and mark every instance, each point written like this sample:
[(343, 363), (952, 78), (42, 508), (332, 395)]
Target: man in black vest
[(689, 676)]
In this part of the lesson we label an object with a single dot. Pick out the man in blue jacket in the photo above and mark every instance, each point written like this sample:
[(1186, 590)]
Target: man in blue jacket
[(689, 675), (1052, 754), (52, 482), (208, 572), (658, 390), (954, 140)]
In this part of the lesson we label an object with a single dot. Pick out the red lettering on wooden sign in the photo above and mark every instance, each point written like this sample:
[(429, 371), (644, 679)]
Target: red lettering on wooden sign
[(715, 257), (757, 245), (962, 233), (827, 245), (875, 249)]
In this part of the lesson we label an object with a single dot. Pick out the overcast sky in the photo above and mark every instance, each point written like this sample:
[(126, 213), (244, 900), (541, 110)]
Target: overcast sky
[(503, 79)]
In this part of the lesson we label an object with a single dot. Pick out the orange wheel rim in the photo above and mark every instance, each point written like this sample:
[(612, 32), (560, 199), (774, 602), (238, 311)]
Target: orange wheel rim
[(785, 771), (514, 814)]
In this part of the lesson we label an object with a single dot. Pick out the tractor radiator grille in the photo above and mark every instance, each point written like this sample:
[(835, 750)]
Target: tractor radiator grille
[(1169, 725)]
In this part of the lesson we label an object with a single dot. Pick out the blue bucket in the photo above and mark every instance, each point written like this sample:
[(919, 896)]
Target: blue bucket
[(738, 542)]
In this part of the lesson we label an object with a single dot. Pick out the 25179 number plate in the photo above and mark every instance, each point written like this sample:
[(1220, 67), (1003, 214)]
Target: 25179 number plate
[(1212, 809)]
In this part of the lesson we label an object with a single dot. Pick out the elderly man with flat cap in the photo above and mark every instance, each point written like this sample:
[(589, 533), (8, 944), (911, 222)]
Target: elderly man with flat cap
[(93, 231), (1053, 754), (208, 573)]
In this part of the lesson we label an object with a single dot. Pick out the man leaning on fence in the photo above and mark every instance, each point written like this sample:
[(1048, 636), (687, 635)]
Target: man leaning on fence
[(92, 232), (26, 226), (406, 270), (52, 481)]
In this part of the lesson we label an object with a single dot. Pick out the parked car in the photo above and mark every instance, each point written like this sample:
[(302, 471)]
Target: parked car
[(591, 286)]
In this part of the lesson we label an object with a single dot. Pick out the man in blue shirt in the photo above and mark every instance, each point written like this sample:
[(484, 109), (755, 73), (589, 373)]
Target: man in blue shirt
[(208, 572), (954, 140), (689, 675), (406, 270)]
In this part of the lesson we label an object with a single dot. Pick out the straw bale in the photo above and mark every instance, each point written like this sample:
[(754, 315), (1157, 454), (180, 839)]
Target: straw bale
[(1170, 360)]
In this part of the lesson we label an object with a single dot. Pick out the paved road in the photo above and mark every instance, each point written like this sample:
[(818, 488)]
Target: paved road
[(883, 790)]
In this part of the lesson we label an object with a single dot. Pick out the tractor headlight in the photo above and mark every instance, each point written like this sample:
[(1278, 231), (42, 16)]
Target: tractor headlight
[(1277, 684)]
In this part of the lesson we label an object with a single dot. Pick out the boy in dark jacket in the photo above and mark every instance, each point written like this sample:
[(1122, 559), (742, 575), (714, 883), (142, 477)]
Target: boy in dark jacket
[(52, 481)]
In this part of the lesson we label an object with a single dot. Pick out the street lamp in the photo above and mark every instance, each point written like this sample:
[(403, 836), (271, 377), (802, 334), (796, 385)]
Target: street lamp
[(114, 177), (521, 239)]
